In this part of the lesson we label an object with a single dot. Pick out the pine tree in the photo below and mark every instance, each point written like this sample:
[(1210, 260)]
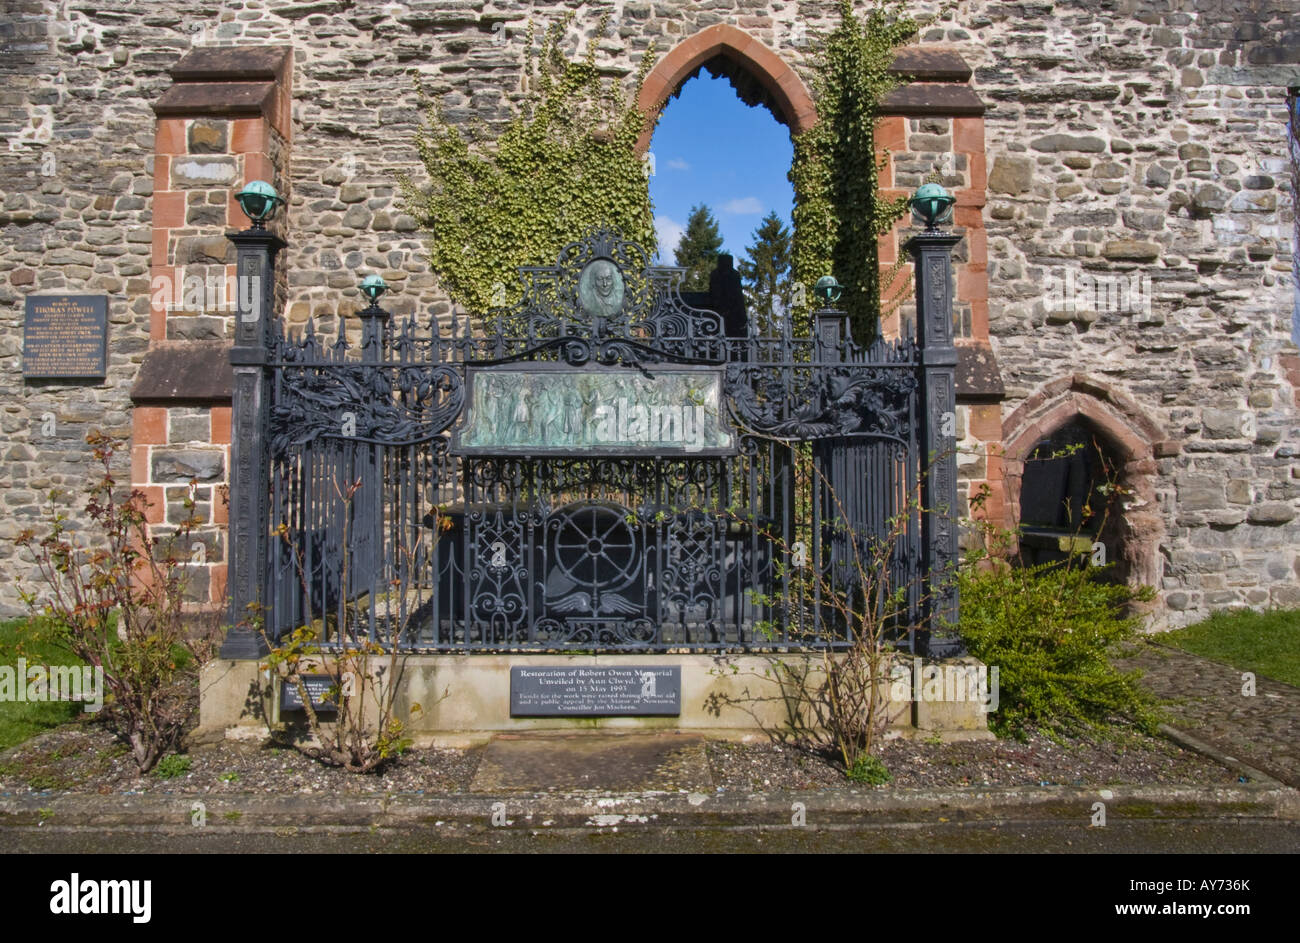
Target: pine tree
[(698, 248), (765, 272)]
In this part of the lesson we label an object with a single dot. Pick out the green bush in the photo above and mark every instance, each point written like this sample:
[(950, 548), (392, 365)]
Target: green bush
[(114, 596), (171, 766), (1052, 631), (868, 769)]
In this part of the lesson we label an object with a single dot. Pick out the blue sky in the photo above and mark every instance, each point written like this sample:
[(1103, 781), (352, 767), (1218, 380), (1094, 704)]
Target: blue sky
[(710, 147)]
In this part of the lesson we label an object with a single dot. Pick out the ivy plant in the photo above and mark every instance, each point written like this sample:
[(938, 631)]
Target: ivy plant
[(564, 165), (838, 214)]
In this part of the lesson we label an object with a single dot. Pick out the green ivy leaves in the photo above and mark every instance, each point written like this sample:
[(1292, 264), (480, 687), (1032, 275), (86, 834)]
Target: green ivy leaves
[(565, 165), (838, 215)]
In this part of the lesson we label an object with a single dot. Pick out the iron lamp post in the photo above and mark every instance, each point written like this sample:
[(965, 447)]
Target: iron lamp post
[(373, 318), (255, 252)]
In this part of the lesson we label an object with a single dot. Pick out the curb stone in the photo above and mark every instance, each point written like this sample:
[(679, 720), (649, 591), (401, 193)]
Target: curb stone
[(658, 809), (1197, 745)]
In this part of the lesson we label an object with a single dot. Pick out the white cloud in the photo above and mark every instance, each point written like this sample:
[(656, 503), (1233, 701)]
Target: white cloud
[(669, 232), (745, 206), (678, 164)]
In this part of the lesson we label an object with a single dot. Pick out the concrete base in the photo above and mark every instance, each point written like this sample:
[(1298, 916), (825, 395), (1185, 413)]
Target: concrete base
[(465, 699)]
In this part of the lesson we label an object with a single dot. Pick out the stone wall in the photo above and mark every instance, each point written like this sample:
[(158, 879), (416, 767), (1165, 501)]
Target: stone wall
[(1148, 140), (1130, 140)]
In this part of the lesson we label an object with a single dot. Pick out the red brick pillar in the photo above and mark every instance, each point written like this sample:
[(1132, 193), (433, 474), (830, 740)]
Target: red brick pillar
[(224, 123), (934, 124)]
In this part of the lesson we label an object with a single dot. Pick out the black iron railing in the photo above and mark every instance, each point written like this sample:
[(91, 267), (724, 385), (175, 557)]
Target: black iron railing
[(383, 519)]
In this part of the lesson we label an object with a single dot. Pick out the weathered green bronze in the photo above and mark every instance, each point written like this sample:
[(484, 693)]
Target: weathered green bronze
[(372, 286), (600, 289), (259, 201), (931, 206), (534, 410), (827, 290)]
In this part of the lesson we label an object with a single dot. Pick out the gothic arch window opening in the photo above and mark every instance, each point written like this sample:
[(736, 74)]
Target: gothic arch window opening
[(712, 148)]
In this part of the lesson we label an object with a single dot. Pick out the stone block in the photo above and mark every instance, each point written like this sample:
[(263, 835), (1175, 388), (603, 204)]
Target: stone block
[(1052, 143), (1207, 200), (1285, 596), (1200, 493), (1239, 491), (1131, 250), (1272, 512), (188, 425), (204, 250), (208, 136), (184, 464), (203, 172), (1222, 423)]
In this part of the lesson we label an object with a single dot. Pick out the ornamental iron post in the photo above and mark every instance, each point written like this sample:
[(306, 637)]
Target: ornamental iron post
[(838, 459), (931, 252), (367, 551), (256, 249)]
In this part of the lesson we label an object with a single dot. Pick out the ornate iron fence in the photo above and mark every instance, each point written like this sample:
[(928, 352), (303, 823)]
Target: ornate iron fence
[(599, 468)]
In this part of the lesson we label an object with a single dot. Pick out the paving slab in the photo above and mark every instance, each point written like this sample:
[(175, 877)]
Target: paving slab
[(621, 763)]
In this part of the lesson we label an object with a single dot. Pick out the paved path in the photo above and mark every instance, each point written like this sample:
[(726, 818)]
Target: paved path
[(622, 763), (1262, 731)]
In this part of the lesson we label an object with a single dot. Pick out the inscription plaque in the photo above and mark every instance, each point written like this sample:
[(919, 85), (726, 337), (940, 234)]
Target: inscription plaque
[(536, 409), (318, 689), (599, 691), (65, 336)]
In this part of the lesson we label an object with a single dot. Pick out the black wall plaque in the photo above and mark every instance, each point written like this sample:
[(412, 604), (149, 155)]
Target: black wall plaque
[(65, 336), (318, 688), (596, 690)]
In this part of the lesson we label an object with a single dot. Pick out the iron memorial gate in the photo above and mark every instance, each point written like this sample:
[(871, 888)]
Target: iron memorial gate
[(600, 468)]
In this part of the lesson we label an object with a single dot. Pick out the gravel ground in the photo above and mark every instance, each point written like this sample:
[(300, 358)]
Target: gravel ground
[(83, 757), (1127, 759)]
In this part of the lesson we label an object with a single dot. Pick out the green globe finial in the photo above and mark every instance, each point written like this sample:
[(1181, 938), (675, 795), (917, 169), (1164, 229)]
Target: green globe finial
[(372, 286), (259, 202), (931, 206), (827, 290)]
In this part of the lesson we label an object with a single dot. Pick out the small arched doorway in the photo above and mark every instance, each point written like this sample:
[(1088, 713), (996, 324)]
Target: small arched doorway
[(1071, 498), (1110, 439)]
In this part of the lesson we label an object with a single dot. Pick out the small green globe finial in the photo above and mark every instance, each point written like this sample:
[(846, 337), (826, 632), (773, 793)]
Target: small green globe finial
[(259, 201), (931, 206), (827, 290), (372, 286)]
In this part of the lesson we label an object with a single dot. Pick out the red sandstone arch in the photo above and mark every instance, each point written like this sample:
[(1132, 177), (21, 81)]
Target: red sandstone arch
[(729, 51), (1125, 427)]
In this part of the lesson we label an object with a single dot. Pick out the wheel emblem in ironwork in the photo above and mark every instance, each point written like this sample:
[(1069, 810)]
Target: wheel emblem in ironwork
[(596, 559), (595, 546)]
